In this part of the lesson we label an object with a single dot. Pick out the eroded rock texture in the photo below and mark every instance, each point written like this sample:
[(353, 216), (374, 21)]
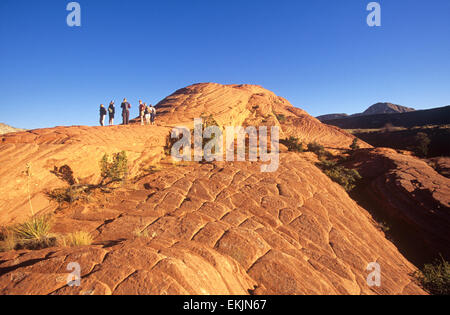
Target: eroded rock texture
[(193, 228), (412, 193), (219, 229)]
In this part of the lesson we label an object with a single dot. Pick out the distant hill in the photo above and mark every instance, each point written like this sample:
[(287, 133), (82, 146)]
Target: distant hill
[(375, 109), (7, 129), (436, 116), (387, 108)]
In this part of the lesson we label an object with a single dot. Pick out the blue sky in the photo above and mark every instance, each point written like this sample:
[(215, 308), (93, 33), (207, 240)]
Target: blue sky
[(319, 54)]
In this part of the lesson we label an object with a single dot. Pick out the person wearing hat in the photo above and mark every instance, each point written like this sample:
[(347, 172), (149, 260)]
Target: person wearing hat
[(112, 112)]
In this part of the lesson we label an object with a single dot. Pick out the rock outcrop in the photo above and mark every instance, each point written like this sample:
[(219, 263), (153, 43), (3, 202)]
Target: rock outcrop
[(8, 129), (195, 228), (248, 105), (79, 147), (413, 194), (222, 228)]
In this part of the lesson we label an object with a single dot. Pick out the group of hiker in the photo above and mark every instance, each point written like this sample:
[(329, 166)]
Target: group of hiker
[(147, 113)]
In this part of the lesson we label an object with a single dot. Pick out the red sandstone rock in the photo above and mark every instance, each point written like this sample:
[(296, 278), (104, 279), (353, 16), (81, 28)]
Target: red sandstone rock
[(220, 228)]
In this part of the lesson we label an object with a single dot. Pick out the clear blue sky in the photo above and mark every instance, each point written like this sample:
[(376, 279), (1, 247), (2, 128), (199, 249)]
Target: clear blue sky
[(319, 54)]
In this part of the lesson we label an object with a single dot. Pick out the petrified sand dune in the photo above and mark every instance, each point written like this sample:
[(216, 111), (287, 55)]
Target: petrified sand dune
[(248, 105), (79, 147), (410, 191), (220, 228)]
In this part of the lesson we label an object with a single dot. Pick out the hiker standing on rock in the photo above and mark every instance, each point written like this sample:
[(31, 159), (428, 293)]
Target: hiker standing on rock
[(141, 112), (152, 114), (102, 115), (112, 112), (125, 111), (147, 114)]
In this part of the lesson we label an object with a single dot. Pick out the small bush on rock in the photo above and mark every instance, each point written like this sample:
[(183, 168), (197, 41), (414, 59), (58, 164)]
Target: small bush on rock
[(341, 175), (77, 239), (436, 277), (318, 149), (114, 169), (293, 144)]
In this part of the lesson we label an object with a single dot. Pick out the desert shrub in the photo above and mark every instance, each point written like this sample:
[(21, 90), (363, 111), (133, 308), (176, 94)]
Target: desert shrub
[(35, 228), (354, 146), (209, 121), (7, 241), (281, 117), (318, 149), (347, 178), (293, 144), (114, 169), (32, 234), (384, 226), (77, 239), (422, 144), (435, 277), (68, 194), (169, 143)]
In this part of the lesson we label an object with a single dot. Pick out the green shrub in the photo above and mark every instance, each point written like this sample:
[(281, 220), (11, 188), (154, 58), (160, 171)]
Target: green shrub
[(341, 175), (422, 144), (35, 228), (32, 234), (435, 278), (293, 144), (209, 121), (318, 149), (170, 142), (281, 117), (354, 146), (114, 169)]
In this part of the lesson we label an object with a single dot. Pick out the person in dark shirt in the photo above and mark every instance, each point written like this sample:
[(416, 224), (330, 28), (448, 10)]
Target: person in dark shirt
[(125, 111), (152, 114), (112, 113), (102, 115)]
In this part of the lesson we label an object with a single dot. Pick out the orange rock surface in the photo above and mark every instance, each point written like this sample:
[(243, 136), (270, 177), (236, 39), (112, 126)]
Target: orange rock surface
[(193, 228), (248, 105), (411, 192)]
